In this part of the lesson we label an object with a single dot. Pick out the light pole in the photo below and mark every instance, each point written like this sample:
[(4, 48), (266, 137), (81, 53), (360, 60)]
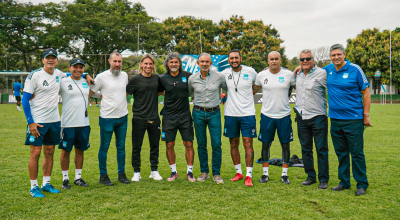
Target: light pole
[(390, 60)]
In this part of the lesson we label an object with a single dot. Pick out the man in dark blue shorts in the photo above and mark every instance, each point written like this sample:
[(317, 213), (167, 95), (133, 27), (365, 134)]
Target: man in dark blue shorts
[(176, 113)]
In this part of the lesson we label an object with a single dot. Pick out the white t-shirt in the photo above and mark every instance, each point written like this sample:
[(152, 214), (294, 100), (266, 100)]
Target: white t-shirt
[(45, 87), (113, 89), (240, 103), (275, 101), (75, 102)]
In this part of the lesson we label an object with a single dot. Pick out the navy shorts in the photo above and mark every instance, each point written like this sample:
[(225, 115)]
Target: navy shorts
[(235, 125), (49, 135), (171, 126), (18, 98), (268, 126), (78, 136)]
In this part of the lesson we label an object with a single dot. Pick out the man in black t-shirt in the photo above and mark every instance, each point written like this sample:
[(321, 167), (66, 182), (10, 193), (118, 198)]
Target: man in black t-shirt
[(144, 88), (176, 113)]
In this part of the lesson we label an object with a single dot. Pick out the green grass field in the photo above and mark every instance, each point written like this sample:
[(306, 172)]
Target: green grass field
[(183, 200)]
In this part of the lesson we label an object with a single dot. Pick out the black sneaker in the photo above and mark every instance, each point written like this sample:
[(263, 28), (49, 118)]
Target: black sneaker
[(285, 179), (338, 188), (122, 178), (105, 180), (308, 182), (264, 179), (323, 185), (80, 182), (66, 184), (360, 191)]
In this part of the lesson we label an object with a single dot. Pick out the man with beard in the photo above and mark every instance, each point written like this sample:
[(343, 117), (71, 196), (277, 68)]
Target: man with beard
[(113, 116), (144, 88), (275, 112), (75, 129), (206, 84), (176, 113), (240, 113)]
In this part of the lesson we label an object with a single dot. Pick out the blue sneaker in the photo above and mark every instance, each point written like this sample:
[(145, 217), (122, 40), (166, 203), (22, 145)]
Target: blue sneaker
[(35, 192), (97, 105), (49, 188)]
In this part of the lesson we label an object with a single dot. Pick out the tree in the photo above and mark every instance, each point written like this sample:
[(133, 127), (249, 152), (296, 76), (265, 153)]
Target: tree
[(293, 63), (94, 29), (183, 35), (370, 50), (254, 40), (26, 28), (322, 56)]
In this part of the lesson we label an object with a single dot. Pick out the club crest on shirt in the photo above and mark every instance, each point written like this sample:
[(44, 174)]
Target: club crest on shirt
[(84, 85), (57, 79), (281, 79), (70, 87), (230, 77), (184, 79), (45, 83), (345, 75), (246, 76), (265, 81)]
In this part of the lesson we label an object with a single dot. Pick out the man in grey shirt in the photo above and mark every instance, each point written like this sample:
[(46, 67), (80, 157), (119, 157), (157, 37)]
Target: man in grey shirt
[(312, 121), (206, 84)]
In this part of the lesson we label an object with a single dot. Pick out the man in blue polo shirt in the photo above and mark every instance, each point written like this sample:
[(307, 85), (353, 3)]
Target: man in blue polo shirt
[(349, 102), (17, 93)]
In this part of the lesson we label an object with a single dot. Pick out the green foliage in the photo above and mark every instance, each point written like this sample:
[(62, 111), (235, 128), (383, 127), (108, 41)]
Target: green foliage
[(160, 65), (149, 199), (293, 63), (130, 64), (370, 50)]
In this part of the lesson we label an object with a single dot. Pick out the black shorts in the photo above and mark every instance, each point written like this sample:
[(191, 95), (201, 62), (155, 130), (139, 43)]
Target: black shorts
[(18, 98), (171, 126)]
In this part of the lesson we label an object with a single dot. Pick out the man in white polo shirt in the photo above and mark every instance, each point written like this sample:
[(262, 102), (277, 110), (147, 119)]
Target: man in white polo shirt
[(113, 116), (75, 129), (275, 112), (240, 113)]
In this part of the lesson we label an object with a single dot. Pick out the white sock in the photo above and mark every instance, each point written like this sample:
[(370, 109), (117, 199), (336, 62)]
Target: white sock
[(265, 171), (173, 167), (78, 174), (34, 183), (90, 104), (189, 169), (249, 171), (46, 179), (284, 171), (238, 168), (65, 175)]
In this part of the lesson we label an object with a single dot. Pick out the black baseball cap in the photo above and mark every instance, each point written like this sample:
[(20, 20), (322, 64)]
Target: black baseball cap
[(76, 61), (50, 51)]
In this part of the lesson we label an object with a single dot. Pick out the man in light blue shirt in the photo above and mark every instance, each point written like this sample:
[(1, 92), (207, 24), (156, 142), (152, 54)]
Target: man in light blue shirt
[(17, 93), (205, 85)]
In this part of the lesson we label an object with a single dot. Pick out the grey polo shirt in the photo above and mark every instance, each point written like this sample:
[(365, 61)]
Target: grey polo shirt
[(311, 93), (206, 91)]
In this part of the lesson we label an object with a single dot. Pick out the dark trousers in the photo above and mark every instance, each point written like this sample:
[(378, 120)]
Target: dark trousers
[(139, 127), (347, 138), (317, 128)]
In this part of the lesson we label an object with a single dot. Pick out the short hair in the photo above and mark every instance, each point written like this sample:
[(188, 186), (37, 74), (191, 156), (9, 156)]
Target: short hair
[(307, 51), (336, 46), (171, 56), (235, 51), (151, 58), (116, 53), (205, 54)]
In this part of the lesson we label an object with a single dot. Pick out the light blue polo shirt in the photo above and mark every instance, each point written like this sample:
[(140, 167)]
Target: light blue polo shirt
[(344, 86)]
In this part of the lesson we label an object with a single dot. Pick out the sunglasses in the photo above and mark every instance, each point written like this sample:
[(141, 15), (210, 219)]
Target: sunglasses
[(303, 59)]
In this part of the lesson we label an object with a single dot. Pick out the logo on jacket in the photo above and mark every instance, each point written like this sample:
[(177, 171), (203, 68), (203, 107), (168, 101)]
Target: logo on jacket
[(57, 79), (184, 79), (70, 87), (246, 76), (45, 83), (265, 81), (345, 75), (281, 79), (84, 85)]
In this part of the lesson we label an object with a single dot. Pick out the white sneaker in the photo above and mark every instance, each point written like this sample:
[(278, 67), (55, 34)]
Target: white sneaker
[(136, 177), (155, 175)]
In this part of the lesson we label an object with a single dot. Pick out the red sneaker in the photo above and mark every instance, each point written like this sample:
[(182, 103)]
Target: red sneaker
[(248, 181), (237, 177), (173, 176)]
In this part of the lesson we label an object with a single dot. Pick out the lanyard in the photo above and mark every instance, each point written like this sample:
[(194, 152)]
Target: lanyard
[(237, 83), (82, 97)]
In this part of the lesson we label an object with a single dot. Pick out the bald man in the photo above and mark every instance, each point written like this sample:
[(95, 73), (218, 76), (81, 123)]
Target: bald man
[(275, 112)]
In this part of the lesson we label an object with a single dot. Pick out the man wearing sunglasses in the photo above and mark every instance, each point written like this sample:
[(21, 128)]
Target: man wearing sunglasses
[(311, 117), (275, 112)]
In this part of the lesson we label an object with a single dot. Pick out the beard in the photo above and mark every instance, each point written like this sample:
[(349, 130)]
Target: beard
[(115, 72)]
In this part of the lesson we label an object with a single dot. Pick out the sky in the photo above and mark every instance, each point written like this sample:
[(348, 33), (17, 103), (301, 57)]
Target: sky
[(302, 24)]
